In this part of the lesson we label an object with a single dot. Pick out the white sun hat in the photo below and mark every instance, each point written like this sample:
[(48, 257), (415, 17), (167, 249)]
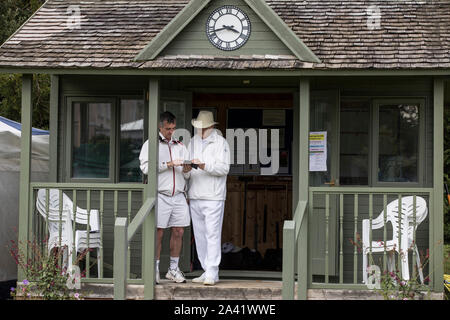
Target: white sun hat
[(205, 119)]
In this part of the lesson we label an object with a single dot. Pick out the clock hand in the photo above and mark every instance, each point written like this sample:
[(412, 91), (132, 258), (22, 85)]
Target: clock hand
[(231, 28)]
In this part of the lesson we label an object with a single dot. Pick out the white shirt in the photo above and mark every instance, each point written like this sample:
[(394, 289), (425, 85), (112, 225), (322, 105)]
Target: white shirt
[(211, 183), (171, 181)]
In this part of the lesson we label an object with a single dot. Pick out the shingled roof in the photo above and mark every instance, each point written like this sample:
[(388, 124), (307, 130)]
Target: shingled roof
[(413, 35)]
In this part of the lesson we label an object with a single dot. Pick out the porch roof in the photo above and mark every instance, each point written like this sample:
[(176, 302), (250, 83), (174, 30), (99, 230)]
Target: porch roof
[(413, 35)]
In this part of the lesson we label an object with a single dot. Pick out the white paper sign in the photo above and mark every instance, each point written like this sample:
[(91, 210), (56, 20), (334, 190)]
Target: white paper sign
[(318, 151)]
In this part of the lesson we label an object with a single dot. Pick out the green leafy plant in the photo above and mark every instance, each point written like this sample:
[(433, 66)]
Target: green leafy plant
[(46, 276)]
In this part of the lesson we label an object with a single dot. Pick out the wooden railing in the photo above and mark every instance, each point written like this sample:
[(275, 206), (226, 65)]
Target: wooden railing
[(111, 200), (338, 212), (332, 219), (295, 235), (123, 233)]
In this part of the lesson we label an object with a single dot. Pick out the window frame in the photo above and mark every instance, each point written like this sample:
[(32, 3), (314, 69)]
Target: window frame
[(69, 134), (376, 103)]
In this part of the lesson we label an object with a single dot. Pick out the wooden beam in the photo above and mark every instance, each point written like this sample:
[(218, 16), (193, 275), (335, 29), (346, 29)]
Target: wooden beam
[(303, 189), (437, 218), (151, 190), (120, 258), (25, 166)]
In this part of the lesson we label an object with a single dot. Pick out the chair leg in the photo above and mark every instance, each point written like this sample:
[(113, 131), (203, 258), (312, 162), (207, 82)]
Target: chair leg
[(364, 267), (390, 262), (419, 265), (405, 266)]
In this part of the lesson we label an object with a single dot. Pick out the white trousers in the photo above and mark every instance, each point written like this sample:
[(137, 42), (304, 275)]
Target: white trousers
[(207, 219)]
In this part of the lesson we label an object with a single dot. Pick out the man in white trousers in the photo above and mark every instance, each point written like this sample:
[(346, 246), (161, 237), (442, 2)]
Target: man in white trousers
[(207, 193), (173, 210)]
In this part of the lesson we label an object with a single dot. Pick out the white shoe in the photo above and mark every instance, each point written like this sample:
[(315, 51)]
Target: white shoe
[(157, 279), (199, 279), (209, 282), (176, 276)]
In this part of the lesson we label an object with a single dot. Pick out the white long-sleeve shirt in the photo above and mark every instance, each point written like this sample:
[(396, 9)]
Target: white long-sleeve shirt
[(171, 181), (211, 183)]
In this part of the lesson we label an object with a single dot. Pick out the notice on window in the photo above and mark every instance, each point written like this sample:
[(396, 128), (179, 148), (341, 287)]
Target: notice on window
[(318, 151)]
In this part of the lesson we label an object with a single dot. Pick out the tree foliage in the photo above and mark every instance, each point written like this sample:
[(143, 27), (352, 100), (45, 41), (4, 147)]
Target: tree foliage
[(13, 13)]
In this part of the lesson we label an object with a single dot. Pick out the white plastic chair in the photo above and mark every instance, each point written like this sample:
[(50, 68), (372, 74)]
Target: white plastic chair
[(67, 216), (408, 230)]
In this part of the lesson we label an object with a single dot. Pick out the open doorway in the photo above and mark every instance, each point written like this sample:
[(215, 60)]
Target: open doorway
[(257, 204)]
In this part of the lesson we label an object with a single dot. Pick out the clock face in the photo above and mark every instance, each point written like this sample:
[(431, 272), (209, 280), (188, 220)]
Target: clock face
[(228, 28)]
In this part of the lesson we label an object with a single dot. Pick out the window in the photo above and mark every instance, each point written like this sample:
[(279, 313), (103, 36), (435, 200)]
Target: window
[(381, 141), (354, 142), (398, 123), (91, 139), (131, 139), (95, 124)]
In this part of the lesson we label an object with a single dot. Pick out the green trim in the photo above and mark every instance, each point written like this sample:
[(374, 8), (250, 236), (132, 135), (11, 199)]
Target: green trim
[(110, 281), (436, 224), (88, 186), (53, 139), (246, 73), (25, 166), (267, 15), (140, 216), (370, 190), (345, 286)]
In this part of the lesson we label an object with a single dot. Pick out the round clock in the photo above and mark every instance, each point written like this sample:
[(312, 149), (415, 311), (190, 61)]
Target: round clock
[(228, 28)]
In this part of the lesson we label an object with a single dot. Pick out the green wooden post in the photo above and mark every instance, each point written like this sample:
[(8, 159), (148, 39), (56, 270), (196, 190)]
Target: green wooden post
[(25, 165), (303, 188), (149, 227), (288, 276), (53, 139), (438, 187), (120, 259)]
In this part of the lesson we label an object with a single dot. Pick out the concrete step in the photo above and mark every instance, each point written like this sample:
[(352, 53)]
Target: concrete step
[(167, 290), (229, 289)]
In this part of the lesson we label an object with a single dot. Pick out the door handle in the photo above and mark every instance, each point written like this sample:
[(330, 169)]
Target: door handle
[(331, 183)]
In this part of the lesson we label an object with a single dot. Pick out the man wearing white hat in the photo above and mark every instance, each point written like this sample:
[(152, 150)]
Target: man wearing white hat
[(207, 193), (173, 210)]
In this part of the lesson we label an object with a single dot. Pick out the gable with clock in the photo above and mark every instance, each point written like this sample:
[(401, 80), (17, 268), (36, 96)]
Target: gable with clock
[(226, 27)]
